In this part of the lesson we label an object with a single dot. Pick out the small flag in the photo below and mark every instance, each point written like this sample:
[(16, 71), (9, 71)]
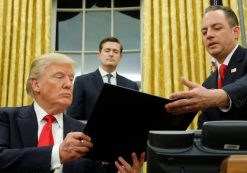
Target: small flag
[(216, 2)]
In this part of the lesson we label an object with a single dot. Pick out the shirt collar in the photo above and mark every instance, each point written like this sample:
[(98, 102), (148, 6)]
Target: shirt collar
[(228, 58), (104, 73), (41, 113)]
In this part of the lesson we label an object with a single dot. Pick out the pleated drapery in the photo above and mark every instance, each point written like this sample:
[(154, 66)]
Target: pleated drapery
[(173, 46), (24, 34)]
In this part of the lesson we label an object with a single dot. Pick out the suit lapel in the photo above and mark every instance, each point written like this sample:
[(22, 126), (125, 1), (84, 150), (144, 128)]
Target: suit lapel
[(28, 126), (233, 66), (66, 129), (119, 80), (69, 125), (66, 126), (97, 80), (213, 83)]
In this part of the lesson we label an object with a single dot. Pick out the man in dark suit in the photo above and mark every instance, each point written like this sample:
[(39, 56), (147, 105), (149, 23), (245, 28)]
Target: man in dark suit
[(223, 95), (88, 86), (24, 145)]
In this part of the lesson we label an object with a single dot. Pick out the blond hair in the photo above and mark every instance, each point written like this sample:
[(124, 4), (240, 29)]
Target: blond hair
[(40, 63)]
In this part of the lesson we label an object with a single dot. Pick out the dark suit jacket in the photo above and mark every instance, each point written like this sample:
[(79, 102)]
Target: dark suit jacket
[(18, 141), (86, 91), (235, 84)]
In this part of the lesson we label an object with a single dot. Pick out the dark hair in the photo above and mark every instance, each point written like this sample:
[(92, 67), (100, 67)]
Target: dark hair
[(110, 39), (229, 13)]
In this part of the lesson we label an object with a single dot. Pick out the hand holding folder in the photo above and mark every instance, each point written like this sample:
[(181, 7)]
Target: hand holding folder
[(122, 118)]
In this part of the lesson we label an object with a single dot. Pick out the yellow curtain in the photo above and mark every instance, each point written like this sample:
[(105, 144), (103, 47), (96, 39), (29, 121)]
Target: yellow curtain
[(244, 22), (172, 45), (234, 5), (245, 18), (24, 34)]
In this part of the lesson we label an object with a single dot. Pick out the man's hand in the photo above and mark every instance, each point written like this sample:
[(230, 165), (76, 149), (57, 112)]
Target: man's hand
[(125, 167), (75, 145), (196, 99)]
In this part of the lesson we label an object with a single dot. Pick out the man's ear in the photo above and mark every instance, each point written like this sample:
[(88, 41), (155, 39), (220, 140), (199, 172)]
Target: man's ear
[(236, 31), (35, 85), (121, 55)]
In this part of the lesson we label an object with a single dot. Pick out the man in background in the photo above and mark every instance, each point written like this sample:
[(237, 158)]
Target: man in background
[(88, 86), (223, 95), (40, 137)]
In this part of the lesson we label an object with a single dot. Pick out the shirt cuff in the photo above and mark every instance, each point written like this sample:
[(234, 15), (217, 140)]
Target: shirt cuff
[(55, 157), (226, 109)]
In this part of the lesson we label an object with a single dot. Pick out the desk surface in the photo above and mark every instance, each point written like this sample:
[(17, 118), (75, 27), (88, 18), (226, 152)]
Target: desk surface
[(234, 164)]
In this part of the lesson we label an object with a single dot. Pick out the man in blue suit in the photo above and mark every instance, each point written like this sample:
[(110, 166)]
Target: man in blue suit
[(88, 86), (228, 101), (50, 84)]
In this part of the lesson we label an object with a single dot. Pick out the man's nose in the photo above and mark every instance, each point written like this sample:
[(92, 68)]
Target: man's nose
[(68, 82), (111, 53), (210, 33)]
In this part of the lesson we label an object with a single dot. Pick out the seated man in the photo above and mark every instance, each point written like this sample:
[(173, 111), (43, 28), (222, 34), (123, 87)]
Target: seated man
[(39, 137)]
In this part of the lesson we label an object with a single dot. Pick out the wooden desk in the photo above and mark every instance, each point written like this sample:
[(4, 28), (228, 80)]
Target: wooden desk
[(234, 164)]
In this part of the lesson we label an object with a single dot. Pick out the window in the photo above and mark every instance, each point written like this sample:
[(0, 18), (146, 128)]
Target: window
[(82, 24)]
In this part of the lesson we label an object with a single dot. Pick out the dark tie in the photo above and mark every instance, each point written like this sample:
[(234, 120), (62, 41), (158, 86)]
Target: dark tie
[(222, 71), (109, 78), (46, 137)]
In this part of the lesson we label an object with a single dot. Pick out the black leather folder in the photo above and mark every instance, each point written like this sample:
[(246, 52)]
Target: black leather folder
[(122, 118)]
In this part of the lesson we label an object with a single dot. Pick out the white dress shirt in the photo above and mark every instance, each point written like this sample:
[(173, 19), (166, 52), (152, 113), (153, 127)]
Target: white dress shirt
[(104, 77), (226, 62), (57, 131)]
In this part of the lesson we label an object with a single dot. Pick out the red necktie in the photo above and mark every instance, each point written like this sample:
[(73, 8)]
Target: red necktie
[(222, 72), (46, 137)]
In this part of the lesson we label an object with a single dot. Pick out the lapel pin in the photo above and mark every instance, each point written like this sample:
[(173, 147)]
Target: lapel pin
[(233, 70)]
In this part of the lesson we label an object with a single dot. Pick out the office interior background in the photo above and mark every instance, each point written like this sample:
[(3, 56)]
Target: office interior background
[(162, 40)]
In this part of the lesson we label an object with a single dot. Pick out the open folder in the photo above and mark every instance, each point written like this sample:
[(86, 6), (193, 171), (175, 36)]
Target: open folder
[(122, 118)]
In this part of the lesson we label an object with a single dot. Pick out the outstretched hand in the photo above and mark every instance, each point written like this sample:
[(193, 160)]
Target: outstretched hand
[(196, 99), (125, 167)]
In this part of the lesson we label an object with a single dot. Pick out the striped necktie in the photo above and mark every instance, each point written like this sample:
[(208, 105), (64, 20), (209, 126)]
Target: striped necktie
[(109, 76)]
